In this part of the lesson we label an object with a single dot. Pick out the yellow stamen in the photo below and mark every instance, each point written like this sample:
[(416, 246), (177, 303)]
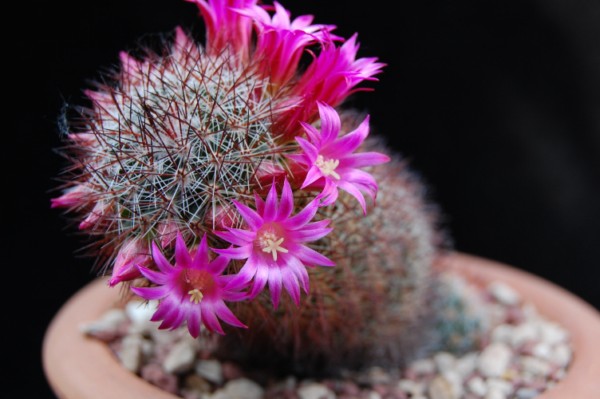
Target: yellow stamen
[(195, 295), (270, 243), (328, 166)]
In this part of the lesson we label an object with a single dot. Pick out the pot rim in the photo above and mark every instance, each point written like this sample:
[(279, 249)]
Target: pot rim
[(79, 367)]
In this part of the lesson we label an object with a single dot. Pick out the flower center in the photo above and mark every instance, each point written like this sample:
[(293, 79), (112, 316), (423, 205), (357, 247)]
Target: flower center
[(328, 166), (197, 284), (195, 295), (270, 242)]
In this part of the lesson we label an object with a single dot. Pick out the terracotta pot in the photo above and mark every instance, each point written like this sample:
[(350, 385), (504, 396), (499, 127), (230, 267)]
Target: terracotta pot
[(83, 368)]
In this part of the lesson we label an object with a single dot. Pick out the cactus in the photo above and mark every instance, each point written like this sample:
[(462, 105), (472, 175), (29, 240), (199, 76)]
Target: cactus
[(231, 186), (377, 306)]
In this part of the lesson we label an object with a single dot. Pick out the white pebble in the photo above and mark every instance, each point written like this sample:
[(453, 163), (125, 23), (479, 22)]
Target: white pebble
[(542, 350), (423, 366), (456, 381), (147, 347), (466, 364), (495, 394), (494, 359), (502, 333), (130, 354), (164, 337), (561, 355), (535, 366), (552, 333), (140, 313), (477, 386), (181, 357), (444, 361), (241, 388), (500, 385), (504, 294), (411, 387), (315, 391), (524, 333), (210, 370), (374, 395), (108, 323), (442, 388)]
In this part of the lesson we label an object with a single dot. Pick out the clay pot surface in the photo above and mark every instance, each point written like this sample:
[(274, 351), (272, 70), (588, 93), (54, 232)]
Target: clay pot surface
[(79, 367)]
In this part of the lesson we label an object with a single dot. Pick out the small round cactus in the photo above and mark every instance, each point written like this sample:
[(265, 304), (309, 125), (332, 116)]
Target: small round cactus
[(224, 181)]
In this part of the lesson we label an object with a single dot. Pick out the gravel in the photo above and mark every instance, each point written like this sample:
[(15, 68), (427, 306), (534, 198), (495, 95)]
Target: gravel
[(523, 355)]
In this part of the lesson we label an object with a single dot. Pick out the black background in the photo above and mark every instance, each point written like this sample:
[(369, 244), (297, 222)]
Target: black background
[(495, 103)]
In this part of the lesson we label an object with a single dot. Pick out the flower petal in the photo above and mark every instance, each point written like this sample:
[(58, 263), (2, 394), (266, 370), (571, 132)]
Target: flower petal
[(160, 260), (355, 192), (313, 231), (270, 209), (314, 174), (194, 321), (330, 123), (153, 276), (290, 282), (182, 256), (201, 257), (302, 217), (245, 275), (350, 142), (235, 253), (237, 236), (218, 265), (225, 314), (275, 285), (313, 134), (311, 257), (253, 219), (260, 280), (286, 204), (210, 320), (150, 293), (363, 159), (300, 271)]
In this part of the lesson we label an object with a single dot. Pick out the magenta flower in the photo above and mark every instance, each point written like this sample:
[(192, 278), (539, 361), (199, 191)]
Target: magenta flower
[(192, 290), (94, 216), (132, 254), (73, 197), (331, 162), (281, 41), (330, 78), (274, 246), (225, 26), (333, 75)]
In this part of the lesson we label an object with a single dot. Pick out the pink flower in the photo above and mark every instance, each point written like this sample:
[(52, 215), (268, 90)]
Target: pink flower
[(74, 196), (330, 78), (166, 232), (192, 290), (185, 52), (331, 162), (132, 254), (225, 26), (94, 216), (281, 41), (274, 246)]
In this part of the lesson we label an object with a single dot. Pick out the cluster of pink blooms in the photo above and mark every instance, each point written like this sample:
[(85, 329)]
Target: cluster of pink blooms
[(271, 243)]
